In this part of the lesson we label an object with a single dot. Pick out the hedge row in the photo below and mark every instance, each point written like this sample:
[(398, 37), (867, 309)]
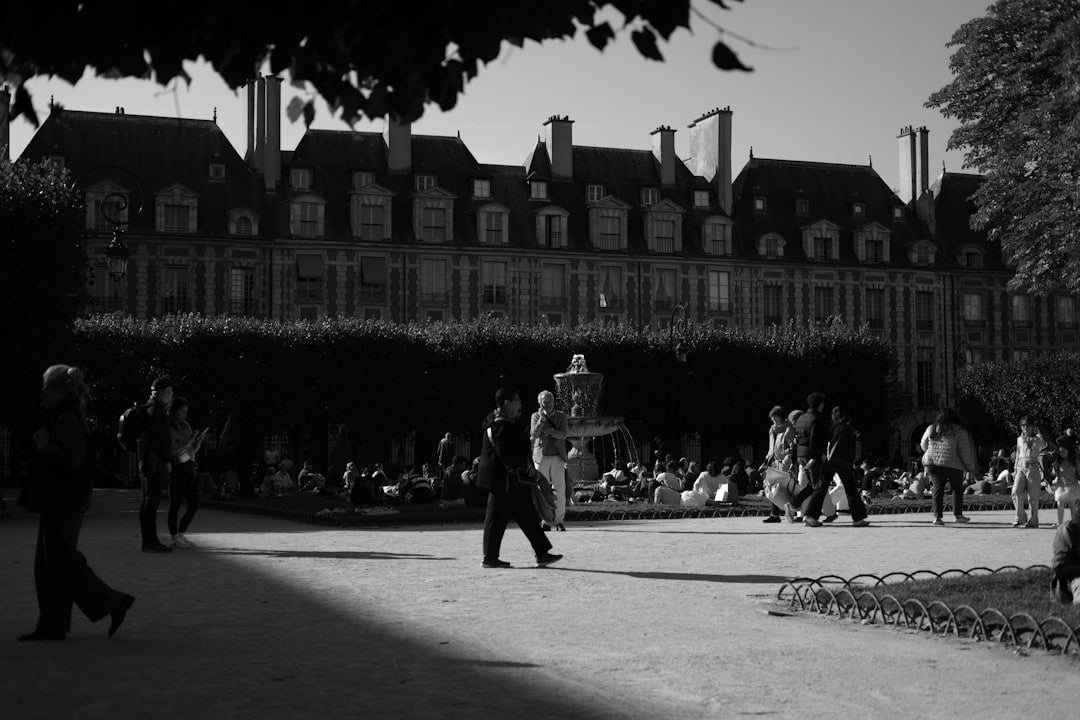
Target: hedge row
[(385, 380)]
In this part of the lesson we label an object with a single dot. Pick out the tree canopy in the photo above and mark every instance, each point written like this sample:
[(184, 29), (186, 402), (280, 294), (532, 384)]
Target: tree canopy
[(365, 59), (1016, 94)]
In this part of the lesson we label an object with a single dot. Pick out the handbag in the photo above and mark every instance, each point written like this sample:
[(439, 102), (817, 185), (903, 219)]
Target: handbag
[(522, 476)]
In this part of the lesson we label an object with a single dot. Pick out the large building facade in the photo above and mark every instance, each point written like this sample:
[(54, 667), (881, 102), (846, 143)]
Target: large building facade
[(412, 228)]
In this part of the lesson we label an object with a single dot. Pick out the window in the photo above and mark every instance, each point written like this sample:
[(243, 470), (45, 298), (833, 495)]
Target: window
[(493, 228), (759, 204), (538, 190), (175, 219), (922, 254), (109, 209), (1021, 354), (594, 192), (372, 280), (772, 248), (1066, 310), (898, 212), (924, 310), (106, 294), (701, 198), (1021, 309), (821, 248), (494, 283), (174, 289), (973, 259), (650, 195), (972, 307), (667, 292), (802, 207), (300, 178), (242, 291), (924, 376), (974, 356), (552, 231), (875, 308), (244, 227), (664, 236), (309, 278), (361, 179), (481, 188), (371, 222), (823, 303), (611, 287), (772, 304), (553, 286), (858, 210), (719, 291), (424, 182), (433, 224), (308, 215), (433, 282), (217, 172), (873, 250), (716, 236), (434, 315), (553, 318), (609, 230)]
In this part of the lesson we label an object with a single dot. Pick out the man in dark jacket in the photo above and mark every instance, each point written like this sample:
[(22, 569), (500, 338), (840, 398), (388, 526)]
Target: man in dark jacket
[(155, 452), (1066, 562), (504, 450), (812, 436)]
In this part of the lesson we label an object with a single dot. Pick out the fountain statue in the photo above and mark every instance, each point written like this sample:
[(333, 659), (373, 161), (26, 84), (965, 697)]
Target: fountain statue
[(578, 394)]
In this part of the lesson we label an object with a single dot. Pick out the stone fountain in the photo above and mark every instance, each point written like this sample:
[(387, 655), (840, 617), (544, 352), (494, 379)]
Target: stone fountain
[(577, 393)]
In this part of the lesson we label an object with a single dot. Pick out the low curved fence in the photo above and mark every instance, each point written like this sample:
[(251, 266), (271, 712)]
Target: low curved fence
[(849, 598)]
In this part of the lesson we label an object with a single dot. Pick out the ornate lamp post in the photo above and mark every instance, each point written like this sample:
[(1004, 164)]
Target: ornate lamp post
[(112, 207), (682, 349)]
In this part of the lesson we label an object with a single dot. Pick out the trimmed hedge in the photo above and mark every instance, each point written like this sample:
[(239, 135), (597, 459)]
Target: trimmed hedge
[(385, 380)]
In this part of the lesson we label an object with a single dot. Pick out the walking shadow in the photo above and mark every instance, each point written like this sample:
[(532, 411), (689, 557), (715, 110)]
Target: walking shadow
[(326, 554), (698, 577)]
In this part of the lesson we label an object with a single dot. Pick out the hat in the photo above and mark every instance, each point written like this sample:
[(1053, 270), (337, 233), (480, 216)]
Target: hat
[(161, 383)]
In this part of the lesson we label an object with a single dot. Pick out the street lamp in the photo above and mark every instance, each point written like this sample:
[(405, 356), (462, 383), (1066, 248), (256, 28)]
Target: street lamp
[(112, 207), (117, 253), (682, 349)]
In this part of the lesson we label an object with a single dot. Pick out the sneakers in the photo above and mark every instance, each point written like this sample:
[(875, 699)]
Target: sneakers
[(560, 527), (1032, 524), (772, 519), (861, 523), (496, 563), (790, 512), (545, 527), (961, 519), (828, 518), (811, 522), (546, 559), (1019, 523), (937, 521)]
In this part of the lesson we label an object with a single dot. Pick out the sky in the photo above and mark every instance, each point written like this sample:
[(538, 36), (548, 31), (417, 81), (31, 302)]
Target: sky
[(833, 81)]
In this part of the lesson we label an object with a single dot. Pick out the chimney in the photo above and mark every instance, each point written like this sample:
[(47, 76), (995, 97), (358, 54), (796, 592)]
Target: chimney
[(922, 162), (5, 129), (260, 124), (710, 152), (272, 161), (249, 156), (906, 190), (663, 149), (399, 145), (560, 144)]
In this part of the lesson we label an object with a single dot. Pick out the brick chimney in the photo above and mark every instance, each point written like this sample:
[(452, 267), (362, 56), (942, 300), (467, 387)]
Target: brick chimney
[(398, 136), (560, 144), (914, 161), (5, 129), (663, 149), (710, 152)]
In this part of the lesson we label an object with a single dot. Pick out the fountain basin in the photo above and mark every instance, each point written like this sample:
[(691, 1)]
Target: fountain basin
[(590, 427)]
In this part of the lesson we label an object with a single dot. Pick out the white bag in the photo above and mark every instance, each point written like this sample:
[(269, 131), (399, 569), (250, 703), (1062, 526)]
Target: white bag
[(722, 493)]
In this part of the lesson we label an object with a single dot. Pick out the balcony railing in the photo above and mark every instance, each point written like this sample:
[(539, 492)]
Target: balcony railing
[(373, 294)]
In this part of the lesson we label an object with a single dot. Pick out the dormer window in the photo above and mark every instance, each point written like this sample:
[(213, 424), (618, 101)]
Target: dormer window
[(873, 250), (858, 210), (772, 248), (898, 212), (759, 204), (922, 254), (594, 192), (481, 188), (973, 259), (217, 172), (538, 190), (424, 182), (802, 207), (821, 248), (361, 179), (701, 198), (650, 196), (300, 178)]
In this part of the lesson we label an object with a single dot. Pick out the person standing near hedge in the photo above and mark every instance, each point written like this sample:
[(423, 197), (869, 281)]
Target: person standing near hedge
[(948, 453), (1030, 447), (155, 453), (182, 487), (62, 467)]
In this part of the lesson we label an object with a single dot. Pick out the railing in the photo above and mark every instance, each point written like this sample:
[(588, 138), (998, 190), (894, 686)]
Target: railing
[(373, 294)]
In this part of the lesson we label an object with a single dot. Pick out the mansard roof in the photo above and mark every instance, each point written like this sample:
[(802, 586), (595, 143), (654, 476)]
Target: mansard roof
[(160, 153), (831, 190)]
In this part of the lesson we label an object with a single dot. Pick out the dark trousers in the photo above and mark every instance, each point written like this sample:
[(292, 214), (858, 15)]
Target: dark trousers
[(182, 490), (851, 491), (939, 476), (62, 577), (516, 504), (820, 479), (151, 499), (814, 471)]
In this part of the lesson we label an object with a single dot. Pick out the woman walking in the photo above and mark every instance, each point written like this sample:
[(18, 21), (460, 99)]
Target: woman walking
[(182, 486), (840, 459), (62, 470), (948, 453)]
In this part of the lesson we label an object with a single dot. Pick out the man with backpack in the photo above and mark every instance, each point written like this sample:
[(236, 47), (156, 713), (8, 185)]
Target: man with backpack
[(155, 452)]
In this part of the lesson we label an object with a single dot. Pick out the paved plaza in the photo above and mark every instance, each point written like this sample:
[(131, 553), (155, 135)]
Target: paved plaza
[(656, 619)]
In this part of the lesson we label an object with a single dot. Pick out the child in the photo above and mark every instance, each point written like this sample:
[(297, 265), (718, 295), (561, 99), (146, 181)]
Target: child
[(1028, 476), (1066, 482)]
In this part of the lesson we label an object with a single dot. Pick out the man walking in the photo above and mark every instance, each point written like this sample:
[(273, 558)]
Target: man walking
[(155, 453), (548, 434), (812, 436)]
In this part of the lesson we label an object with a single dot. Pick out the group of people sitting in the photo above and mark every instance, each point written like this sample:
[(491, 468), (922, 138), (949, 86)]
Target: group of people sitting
[(450, 486), (669, 482)]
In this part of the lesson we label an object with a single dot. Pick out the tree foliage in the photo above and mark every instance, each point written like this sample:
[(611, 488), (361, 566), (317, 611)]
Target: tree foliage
[(42, 278), (365, 58), (1016, 95)]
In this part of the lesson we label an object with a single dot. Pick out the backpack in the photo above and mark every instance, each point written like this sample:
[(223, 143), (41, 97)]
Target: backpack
[(133, 423)]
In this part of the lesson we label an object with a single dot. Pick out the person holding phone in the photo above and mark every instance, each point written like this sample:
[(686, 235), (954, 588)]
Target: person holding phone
[(183, 489)]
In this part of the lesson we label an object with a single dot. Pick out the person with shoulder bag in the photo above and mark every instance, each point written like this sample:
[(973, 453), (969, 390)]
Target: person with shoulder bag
[(62, 471), (948, 454)]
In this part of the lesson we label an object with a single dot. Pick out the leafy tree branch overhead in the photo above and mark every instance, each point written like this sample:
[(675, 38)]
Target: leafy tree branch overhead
[(1016, 94), (365, 58)]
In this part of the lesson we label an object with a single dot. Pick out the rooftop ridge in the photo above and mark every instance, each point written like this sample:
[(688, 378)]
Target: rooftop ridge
[(142, 119), (812, 164)]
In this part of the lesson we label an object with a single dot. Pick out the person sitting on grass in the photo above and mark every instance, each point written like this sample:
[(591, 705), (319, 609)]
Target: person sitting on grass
[(616, 482), (309, 480), (452, 492), (668, 486), (705, 487), (1065, 563)]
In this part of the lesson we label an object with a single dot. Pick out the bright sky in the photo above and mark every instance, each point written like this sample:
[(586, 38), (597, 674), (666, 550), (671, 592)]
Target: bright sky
[(833, 81)]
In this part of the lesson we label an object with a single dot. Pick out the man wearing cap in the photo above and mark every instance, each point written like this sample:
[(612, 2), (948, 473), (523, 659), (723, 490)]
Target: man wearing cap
[(155, 451)]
